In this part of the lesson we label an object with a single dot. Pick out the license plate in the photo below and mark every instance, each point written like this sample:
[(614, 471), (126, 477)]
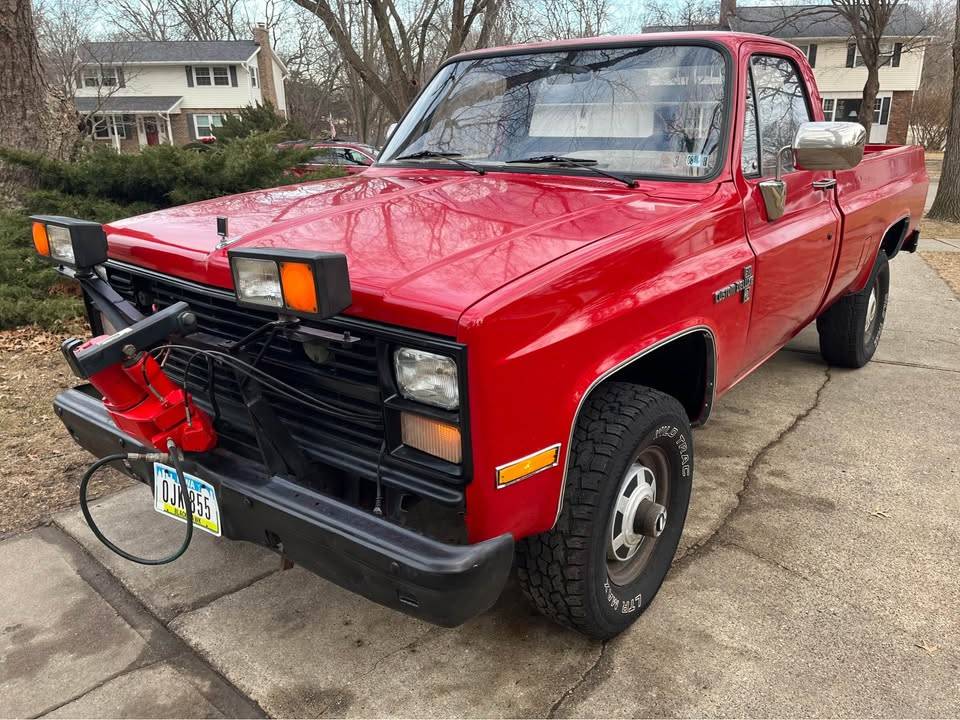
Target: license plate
[(168, 498)]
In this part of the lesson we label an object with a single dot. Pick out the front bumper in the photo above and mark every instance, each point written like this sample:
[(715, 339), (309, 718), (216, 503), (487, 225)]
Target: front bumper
[(396, 567)]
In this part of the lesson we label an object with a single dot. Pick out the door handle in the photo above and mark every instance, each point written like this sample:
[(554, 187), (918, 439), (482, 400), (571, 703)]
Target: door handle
[(824, 184)]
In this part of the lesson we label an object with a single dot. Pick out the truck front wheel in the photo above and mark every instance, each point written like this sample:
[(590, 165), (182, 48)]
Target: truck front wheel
[(626, 496), (850, 329)]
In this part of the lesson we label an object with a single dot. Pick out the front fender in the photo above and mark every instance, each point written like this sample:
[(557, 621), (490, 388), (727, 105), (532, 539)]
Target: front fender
[(535, 355)]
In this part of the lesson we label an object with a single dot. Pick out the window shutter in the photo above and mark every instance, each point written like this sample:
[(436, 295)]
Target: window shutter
[(897, 52), (233, 75), (812, 56), (121, 80), (189, 75), (191, 126), (884, 111), (851, 54)]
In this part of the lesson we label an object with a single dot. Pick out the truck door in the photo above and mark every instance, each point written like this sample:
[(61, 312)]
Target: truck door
[(795, 253)]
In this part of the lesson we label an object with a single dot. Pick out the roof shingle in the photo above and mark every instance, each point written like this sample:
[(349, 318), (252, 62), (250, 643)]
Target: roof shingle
[(127, 103), (167, 51), (815, 21)]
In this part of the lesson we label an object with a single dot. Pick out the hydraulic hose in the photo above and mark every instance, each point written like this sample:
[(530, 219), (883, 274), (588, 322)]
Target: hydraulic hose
[(173, 456)]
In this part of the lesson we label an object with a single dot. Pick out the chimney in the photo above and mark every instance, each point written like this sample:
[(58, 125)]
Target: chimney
[(268, 87), (728, 8)]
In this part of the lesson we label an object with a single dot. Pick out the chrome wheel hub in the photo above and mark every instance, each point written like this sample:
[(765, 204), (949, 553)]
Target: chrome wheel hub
[(636, 514), (872, 306)]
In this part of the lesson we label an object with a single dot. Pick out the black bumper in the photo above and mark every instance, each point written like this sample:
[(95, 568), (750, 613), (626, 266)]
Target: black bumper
[(440, 583)]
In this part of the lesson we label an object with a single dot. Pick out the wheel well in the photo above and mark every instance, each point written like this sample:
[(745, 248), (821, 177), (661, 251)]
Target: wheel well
[(683, 367), (893, 239)]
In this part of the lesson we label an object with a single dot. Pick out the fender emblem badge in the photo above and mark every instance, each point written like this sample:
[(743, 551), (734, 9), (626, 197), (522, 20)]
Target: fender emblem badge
[(742, 286)]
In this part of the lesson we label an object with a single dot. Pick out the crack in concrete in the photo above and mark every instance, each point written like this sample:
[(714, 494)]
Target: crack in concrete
[(753, 553), (159, 638), (750, 474), (896, 363), (584, 676), (93, 688)]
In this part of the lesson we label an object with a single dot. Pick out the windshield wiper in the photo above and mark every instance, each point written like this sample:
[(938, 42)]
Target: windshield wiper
[(453, 157), (585, 163)]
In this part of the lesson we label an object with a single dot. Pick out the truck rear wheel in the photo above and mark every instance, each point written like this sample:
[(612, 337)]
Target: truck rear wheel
[(626, 496), (850, 328)]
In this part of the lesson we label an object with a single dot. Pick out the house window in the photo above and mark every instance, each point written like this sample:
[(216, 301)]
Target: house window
[(104, 127), (253, 77), (810, 51), (828, 105), (97, 77), (101, 129), (887, 53), (217, 75), (204, 124)]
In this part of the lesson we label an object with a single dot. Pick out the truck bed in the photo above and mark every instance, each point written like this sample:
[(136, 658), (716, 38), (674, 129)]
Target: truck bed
[(885, 192)]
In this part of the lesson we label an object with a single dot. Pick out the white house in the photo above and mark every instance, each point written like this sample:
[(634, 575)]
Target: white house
[(140, 93), (825, 38)]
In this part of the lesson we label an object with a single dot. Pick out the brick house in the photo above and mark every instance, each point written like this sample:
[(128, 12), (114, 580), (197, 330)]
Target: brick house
[(138, 93), (824, 37)]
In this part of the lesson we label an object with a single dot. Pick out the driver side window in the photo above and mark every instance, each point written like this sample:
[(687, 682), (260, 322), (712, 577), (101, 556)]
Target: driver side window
[(779, 100)]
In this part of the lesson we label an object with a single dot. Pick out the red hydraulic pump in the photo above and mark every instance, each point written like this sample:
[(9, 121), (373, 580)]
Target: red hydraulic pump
[(142, 400)]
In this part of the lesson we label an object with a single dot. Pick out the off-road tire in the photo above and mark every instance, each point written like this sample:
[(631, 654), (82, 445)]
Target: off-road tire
[(845, 338), (564, 571)]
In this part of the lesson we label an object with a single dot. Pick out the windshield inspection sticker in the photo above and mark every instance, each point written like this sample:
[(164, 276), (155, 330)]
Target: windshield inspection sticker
[(697, 160)]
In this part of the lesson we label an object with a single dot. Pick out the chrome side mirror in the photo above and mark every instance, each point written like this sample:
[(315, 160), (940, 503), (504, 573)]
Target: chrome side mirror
[(774, 191), (829, 145), (816, 146)]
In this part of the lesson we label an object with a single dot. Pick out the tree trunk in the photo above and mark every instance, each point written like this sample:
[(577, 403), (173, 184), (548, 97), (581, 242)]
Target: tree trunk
[(946, 206), (870, 90), (24, 117)]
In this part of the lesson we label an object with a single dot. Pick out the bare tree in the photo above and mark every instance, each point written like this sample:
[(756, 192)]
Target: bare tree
[(24, 113), (143, 19), (946, 206), (684, 14), (402, 40)]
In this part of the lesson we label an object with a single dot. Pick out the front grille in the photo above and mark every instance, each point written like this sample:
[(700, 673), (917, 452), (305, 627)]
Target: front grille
[(348, 377), (345, 456)]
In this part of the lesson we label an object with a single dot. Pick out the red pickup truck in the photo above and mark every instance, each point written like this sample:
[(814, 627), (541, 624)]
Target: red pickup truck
[(488, 349)]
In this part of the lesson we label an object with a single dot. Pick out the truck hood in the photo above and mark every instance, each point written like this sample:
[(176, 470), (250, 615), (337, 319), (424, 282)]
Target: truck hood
[(422, 245)]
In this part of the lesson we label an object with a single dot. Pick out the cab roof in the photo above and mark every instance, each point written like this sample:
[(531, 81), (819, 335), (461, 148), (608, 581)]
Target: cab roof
[(731, 40)]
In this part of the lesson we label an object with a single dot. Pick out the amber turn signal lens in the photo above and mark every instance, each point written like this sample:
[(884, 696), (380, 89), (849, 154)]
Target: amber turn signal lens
[(431, 436), (40, 240), (527, 466), (299, 286)]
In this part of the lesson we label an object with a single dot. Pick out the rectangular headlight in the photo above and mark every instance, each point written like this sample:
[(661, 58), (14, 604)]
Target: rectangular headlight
[(258, 282), (298, 282), (67, 241), (427, 377)]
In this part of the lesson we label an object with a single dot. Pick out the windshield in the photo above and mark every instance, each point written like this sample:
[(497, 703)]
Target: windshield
[(653, 110)]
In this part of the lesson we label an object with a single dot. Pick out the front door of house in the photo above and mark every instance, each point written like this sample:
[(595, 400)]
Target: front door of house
[(152, 130)]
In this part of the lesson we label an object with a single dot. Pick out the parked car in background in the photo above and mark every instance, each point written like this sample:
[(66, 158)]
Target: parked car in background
[(352, 157)]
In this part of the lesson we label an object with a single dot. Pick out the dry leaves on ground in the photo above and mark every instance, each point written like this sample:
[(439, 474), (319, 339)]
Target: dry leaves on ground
[(937, 229), (947, 265), (40, 464)]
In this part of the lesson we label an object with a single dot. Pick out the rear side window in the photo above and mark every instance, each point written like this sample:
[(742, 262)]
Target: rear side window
[(781, 105)]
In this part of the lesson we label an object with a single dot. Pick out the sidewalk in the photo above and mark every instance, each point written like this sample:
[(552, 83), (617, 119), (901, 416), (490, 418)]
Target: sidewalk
[(818, 576)]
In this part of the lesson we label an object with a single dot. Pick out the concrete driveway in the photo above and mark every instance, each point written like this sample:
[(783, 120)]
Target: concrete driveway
[(818, 576)]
